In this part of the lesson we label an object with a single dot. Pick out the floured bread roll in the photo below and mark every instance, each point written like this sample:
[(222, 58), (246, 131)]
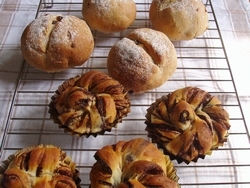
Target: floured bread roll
[(54, 42), (89, 104), (143, 60), (179, 19), (109, 16), (134, 163), (39, 166), (188, 124)]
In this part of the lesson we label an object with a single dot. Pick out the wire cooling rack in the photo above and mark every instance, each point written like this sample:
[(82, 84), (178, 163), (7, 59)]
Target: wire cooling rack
[(202, 62)]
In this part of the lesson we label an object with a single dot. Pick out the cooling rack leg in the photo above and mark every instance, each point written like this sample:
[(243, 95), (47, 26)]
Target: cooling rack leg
[(48, 3)]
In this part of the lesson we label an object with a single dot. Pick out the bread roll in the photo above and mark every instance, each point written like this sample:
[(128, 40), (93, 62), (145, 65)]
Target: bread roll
[(188, 124), (39, 166), (179, 19), (143, 60), (54, 42), (89, 104), (109, 16), (133, 163)]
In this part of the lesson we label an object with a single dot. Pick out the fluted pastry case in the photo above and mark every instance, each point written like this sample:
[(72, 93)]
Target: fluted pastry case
[(202, 62)]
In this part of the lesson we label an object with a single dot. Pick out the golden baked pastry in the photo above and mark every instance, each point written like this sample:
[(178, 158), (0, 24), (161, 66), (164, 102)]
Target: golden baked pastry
[(89, 104), (133, 163), (109, 16), (55, 42), (188, 124), (143, 60), (179, 19), (39, 166)]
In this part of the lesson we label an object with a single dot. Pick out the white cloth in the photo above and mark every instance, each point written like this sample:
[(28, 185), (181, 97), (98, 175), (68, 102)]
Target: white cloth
[(25, 92)]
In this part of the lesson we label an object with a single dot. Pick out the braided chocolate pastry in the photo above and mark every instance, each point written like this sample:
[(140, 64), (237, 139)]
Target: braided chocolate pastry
[(134, 163), (188, 124), (39, 166), (90, 104)]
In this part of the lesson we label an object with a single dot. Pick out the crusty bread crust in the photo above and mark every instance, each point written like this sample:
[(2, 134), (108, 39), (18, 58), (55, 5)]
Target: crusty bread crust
[(179, 19), (109, 16), (54, 42), (143, 60)]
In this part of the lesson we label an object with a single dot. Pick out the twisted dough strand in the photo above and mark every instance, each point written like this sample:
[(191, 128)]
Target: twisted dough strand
[(90, 104), (134, 163), (39, 166), (188, 123)]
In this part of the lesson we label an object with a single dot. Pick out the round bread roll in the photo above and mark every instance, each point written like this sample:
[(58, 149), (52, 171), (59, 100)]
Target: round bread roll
[(89, 104), (179, 19), (133, 163), (54, 42), (143, 60), (39, 166), (188, 124), (109, 16)]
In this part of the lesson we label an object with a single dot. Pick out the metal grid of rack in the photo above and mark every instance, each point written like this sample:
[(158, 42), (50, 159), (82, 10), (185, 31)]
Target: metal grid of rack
[(200, 61)]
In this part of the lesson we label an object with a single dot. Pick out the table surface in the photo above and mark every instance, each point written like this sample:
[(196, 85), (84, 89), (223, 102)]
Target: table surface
[(25, 91)]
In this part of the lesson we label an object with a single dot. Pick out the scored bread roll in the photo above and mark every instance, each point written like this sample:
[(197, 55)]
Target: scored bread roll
[(109, 16), (179, 19), (143, 60), (54, 42)]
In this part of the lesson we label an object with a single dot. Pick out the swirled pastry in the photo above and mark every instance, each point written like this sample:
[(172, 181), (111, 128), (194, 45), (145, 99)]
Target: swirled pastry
[(134, 163), (39, 166), (188, 124), (89, 104)]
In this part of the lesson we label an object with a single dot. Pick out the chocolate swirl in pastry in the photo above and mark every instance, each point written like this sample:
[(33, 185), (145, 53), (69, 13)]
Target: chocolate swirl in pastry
[(134, 163), (188, 124), (90, 104), (39, 166)]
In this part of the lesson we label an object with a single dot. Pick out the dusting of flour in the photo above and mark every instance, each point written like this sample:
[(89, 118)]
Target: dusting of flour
[(157, 40), (49, 29), (132, 59)]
